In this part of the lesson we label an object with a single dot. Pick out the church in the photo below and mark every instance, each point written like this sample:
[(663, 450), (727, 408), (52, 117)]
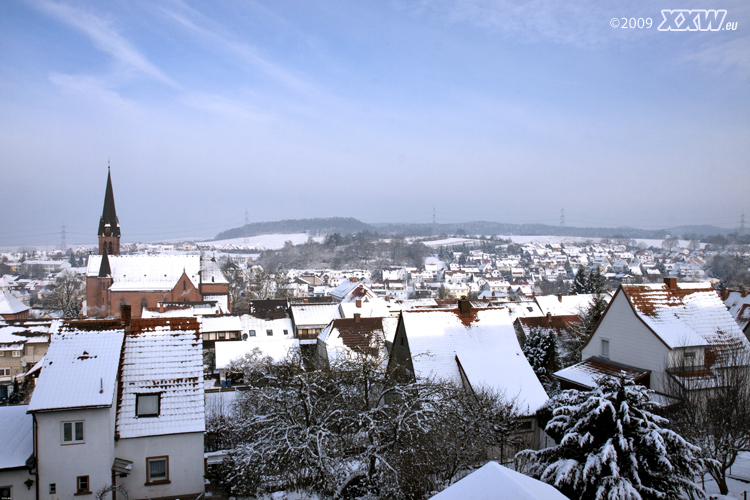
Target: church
[(146, 281)]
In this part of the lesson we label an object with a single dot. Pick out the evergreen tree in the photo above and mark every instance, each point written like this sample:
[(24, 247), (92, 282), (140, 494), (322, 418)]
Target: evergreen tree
[(580, 283), (613, 446), (540, 349)]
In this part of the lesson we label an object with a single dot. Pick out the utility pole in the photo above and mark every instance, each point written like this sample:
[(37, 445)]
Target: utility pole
[(742, 223), (63, 245), (247, 221)]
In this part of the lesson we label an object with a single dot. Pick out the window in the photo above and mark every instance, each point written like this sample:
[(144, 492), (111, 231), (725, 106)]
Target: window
[(690, 355), (269, 332), (16, 354), (184, 285), (4, 372), (157, 470), (147, 405), (144, 303), (52, 488), (605, 348), (82, 485), (5, 493), (252, 333), (286, 332), (72, 432)]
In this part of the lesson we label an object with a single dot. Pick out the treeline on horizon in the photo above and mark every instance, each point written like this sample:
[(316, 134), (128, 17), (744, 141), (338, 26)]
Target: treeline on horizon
[(350, 225)]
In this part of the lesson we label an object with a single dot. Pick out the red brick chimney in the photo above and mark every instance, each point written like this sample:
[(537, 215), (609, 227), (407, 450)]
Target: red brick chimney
[(559, 297), (743, 292), (671, 283), (357, 317), (161, 307), (464, 306), (359, 302)]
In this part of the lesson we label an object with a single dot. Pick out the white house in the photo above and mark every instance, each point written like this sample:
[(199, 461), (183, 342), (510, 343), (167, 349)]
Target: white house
[(121, 406), (652, 326)]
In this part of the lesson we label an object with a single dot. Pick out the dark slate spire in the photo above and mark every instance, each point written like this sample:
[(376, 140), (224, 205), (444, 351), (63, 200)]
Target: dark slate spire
[(108, 224), (104, 270)]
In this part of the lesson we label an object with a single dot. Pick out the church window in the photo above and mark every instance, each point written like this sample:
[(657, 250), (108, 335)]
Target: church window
[(184, 285), (110, 248), (144, 303)]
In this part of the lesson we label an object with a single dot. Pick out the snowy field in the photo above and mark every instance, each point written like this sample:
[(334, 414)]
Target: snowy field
[(266, 241), (522, 240)]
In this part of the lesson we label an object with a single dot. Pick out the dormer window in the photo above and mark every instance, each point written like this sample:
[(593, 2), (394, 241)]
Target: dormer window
[(147, 405)]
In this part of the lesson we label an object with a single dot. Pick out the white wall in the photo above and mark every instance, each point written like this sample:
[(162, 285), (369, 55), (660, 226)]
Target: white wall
[(15, 478), (62, 463), (630, 342), (185, 452)]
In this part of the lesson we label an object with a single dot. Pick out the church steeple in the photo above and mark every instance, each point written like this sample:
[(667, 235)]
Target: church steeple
[(109, 226)]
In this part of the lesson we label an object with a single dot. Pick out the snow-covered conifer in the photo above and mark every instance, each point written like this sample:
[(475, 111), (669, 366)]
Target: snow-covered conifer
[(613, 447)]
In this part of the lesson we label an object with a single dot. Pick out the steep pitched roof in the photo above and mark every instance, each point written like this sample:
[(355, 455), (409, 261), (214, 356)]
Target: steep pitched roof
[(109, 214), (485, 345), (739, 307), (9, 304), (162, 356), (79, 371), (689, 314), (147, 272), (104, 269)]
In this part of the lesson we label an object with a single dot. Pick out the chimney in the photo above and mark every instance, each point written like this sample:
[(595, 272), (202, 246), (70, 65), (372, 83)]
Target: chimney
[(671, 283), (559, 297), (305, 301), (387, 298), (359, 302), (549, 318), (353, 280), (464, 306), (125, 316), (161, 307), (357, 316), (743, 292)]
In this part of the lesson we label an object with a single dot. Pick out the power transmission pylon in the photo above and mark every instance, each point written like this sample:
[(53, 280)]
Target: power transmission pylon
[(63, 245), (247, 221), (562, 217), (742, 224)]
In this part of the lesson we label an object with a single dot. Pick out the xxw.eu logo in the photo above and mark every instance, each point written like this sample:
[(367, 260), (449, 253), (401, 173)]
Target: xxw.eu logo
[(692, 20)]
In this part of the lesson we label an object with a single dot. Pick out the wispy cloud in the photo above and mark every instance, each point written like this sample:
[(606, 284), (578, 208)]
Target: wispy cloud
[(106, 39), (229, 106), (93, 88), (248, 53)]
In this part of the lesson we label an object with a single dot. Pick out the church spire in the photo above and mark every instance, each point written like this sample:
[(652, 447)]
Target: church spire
[(104, 270), (109, 226)]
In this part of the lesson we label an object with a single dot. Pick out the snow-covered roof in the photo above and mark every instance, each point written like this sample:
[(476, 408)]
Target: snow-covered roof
[(483, 342), (309, 315), (9, 304), (276, 346), (17, 444), (31, 334), (79, 371), (690, 314), (739, 307), (495, 482), (221, 324), (369, 308), (147, 272), (343, 289), (165, 360), (348, 334), (566, 305), (278, 326), (586, 373)]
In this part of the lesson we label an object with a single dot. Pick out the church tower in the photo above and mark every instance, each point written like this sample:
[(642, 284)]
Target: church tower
[(109, 226)]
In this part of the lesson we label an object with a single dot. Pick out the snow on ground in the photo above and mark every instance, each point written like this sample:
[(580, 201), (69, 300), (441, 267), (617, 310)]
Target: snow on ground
[(266, 241), (738, 478), (449, 241)]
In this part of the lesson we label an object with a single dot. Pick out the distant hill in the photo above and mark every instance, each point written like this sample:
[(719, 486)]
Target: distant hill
[(348, 225), (321, 226)]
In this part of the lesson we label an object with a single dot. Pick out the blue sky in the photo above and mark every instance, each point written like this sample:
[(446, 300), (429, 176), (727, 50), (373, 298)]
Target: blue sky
[(505, 111)]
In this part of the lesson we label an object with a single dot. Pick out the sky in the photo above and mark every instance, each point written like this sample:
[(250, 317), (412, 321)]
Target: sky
[(387, 111)]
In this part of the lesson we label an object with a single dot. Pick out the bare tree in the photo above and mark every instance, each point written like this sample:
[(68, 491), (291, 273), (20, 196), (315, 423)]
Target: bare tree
[(67, 294), (670, 243), (713, 409)]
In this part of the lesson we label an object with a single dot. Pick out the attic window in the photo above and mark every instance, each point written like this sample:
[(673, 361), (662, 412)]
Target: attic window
[(184, 285), (147, 405), (605, 348), (286, 332), (269, 332), (252, 333)]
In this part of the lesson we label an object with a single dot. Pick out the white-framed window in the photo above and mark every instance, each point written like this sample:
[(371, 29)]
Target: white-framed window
[(157, 470), (52, 488), (252, 333), (4, 372), (72, 432), (6, 492), (605, 348), (147, 405), (269, 332), (17, 354)]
